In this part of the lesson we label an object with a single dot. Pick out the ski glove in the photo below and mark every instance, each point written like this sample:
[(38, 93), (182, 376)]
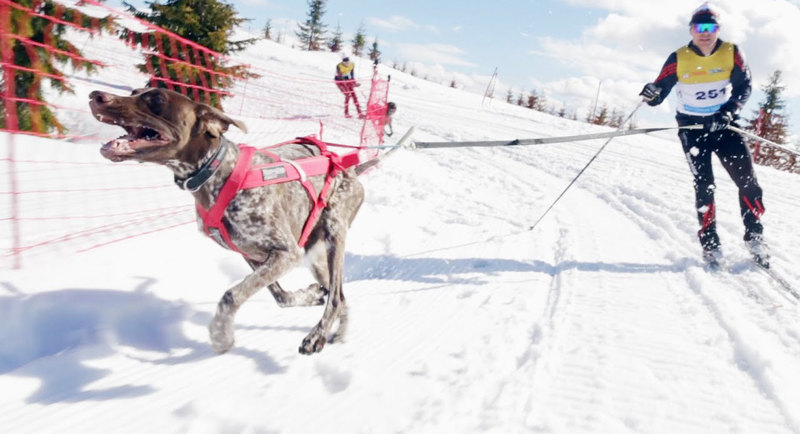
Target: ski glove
[(650, 92), (718, 121)]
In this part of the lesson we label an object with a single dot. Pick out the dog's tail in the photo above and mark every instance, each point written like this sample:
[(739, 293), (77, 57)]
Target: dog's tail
[(363, 167)]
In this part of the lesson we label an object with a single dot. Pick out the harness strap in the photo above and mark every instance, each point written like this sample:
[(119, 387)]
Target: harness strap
[(245, 176), (212, 218)]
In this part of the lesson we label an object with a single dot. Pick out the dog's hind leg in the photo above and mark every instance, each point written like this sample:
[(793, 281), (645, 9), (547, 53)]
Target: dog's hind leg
[(221, 327), (336, 307)]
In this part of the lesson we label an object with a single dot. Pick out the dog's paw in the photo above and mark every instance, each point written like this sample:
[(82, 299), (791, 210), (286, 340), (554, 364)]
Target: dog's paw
[(221, 333), (313, 343), (314, 295)]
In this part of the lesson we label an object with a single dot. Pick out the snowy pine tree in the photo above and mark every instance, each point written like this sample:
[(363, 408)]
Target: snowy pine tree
[(374, 53), (27, 84), (312, 33), (770, 122), (359, 40), (210, 23), (268, 30), (335, 43)]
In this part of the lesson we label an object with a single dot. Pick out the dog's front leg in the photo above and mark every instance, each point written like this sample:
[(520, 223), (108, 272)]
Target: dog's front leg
[(221, 327)]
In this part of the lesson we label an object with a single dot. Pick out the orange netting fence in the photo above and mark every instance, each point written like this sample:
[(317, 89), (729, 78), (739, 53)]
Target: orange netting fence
[(59, 196)]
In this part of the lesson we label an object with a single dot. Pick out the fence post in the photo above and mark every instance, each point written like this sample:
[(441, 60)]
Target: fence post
[(11, 124)]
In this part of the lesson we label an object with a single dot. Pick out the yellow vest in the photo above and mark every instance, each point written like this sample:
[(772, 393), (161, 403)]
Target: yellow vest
[(703, 81), (345, 69)]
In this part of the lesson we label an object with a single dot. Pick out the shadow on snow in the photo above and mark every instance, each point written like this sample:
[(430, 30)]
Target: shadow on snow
[(54, 336)]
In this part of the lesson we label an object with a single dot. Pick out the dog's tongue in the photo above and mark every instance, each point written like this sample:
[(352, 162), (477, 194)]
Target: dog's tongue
[(115, 149)]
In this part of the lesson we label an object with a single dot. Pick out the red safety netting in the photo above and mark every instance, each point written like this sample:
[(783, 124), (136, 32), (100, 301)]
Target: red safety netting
[(59, 197)]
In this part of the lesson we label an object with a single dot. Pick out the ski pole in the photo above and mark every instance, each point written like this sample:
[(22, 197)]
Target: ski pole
[(584, 168), (755, 137)]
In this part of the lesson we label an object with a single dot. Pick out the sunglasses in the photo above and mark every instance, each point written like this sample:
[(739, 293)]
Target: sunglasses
[(706, 28)]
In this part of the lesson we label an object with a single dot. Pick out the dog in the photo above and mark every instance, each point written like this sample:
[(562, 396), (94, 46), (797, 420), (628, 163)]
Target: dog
[(387, 118), (263, 223)]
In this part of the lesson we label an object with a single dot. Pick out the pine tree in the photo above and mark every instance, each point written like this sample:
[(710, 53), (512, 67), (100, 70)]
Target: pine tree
[(209, 23), (359, 40), (773, 125), (616, 119), (602, 117), (510, 96), (453, 83), (521, 99), (27, 84), (374, 53), (312, 32), (532, 98), (268, 30), (335, 43), (541, 103)]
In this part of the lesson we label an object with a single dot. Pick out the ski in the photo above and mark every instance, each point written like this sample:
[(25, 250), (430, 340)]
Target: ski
[(787, 287), (712, 265)]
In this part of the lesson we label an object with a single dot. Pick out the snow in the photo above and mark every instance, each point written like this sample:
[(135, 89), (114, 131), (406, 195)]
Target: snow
[(463, 319)]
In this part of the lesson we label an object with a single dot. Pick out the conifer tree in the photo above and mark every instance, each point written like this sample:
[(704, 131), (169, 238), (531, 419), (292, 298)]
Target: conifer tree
[(773, 124), (268, 30), (335, 43), (312, 32), (359, 40), (209, 23), (374, 53), (532, 98), (541, 103), (33, 57), (602, 117), (616, 119), (510, 96)]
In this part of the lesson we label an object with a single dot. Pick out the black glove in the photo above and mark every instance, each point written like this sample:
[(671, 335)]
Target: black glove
[(650, 92), (718, 121)]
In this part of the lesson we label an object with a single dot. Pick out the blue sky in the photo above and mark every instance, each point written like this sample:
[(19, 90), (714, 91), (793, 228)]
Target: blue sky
[(565, 49)]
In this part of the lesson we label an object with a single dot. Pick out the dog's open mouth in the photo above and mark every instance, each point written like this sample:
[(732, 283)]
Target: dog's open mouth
[(139, 139)]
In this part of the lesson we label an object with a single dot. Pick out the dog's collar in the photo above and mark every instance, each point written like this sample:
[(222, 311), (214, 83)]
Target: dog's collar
[(196, 180)]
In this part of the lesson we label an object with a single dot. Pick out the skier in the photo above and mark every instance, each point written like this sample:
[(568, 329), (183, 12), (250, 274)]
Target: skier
[(713, 83), (346, 81)]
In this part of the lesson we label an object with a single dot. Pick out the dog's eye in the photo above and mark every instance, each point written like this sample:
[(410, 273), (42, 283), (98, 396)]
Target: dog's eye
[(155, 102)]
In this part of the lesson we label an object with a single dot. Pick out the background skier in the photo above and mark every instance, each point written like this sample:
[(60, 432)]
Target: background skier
[(346, 81)]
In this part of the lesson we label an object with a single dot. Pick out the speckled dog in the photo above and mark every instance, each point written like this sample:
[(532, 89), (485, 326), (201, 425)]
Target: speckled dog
[(265, 223)]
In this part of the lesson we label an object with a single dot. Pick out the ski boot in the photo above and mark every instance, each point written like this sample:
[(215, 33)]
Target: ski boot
[(712, 256), (759, 249)]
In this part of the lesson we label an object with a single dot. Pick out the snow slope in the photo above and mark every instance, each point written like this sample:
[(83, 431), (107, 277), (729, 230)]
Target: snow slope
[(463, 320)]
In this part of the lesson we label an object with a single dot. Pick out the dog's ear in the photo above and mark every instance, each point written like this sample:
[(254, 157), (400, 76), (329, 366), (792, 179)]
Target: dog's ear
[(213, 121)]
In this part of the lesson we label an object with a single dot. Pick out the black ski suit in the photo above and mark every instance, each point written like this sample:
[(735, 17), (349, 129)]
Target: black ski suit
[(698, 145)]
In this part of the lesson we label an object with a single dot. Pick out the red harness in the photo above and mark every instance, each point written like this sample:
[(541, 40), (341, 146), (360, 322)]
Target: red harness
[(245, 176)]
